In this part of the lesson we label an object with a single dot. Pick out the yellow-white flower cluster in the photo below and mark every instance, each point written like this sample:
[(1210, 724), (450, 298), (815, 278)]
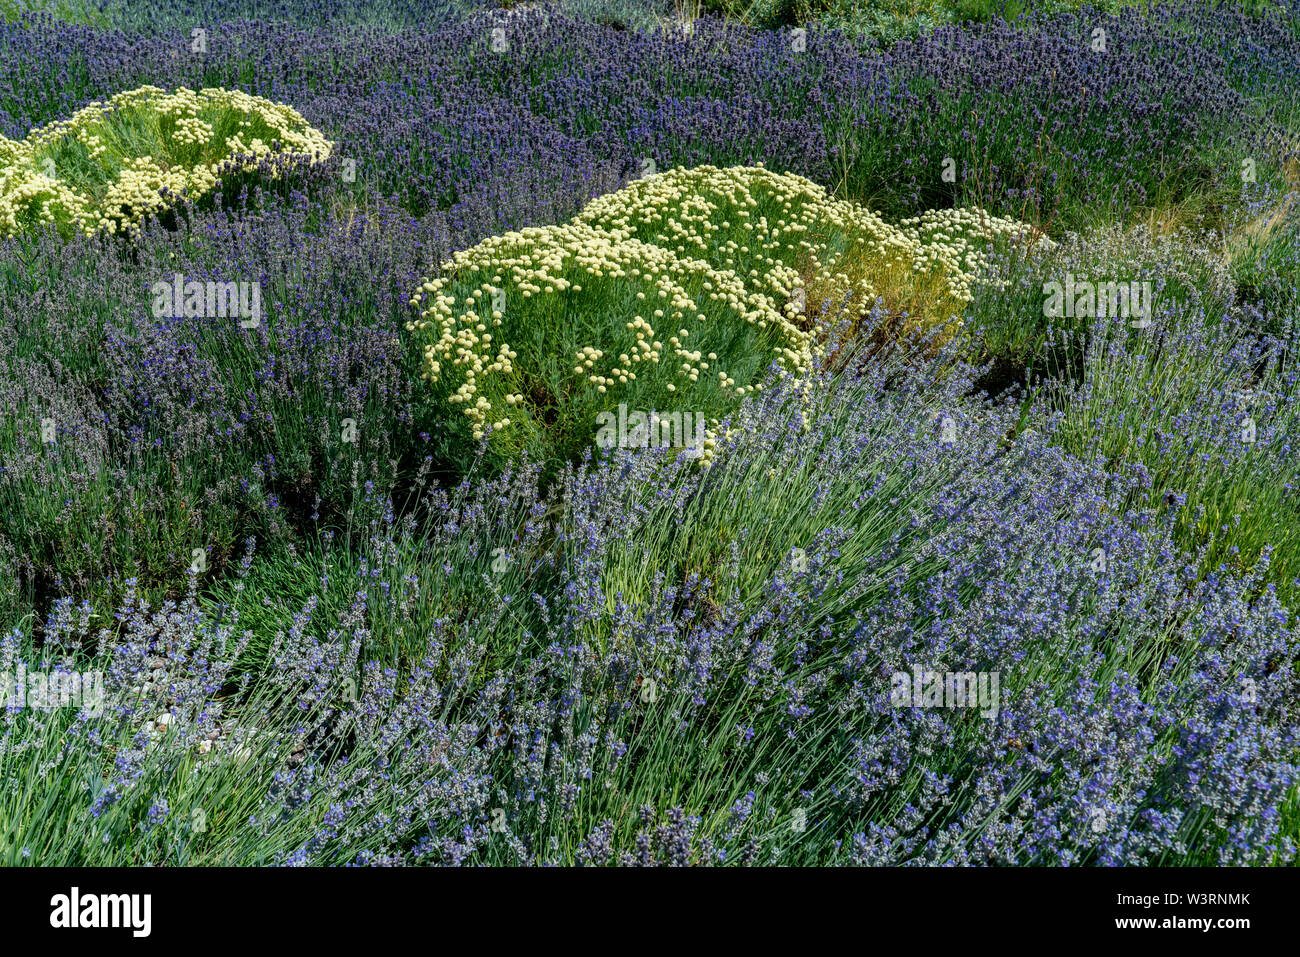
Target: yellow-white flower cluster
[(953, 239), (671, 290), (697, 245), (691, 210), (177, 123)]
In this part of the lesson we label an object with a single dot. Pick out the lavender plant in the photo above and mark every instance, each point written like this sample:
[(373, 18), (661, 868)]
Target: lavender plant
[(723, 706)]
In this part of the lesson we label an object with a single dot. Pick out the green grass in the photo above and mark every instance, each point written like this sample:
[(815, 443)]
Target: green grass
[(889, 20), (73, 11)]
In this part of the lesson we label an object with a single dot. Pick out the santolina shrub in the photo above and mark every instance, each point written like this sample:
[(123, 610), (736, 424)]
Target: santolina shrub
[(112, 164), (676, 292)]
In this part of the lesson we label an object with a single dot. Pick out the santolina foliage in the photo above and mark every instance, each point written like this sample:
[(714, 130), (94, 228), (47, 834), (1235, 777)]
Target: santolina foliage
[(112, 164)]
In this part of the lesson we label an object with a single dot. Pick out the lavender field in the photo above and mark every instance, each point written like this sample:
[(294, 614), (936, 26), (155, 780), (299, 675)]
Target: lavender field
[(612, 433)]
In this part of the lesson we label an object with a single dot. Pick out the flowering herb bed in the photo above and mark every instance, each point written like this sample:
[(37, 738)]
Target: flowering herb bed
[(496, 437)]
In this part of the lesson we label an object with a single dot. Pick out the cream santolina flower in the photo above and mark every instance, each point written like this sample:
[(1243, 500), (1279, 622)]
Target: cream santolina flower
[(687, 209), (695, 256), (195, 138)]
